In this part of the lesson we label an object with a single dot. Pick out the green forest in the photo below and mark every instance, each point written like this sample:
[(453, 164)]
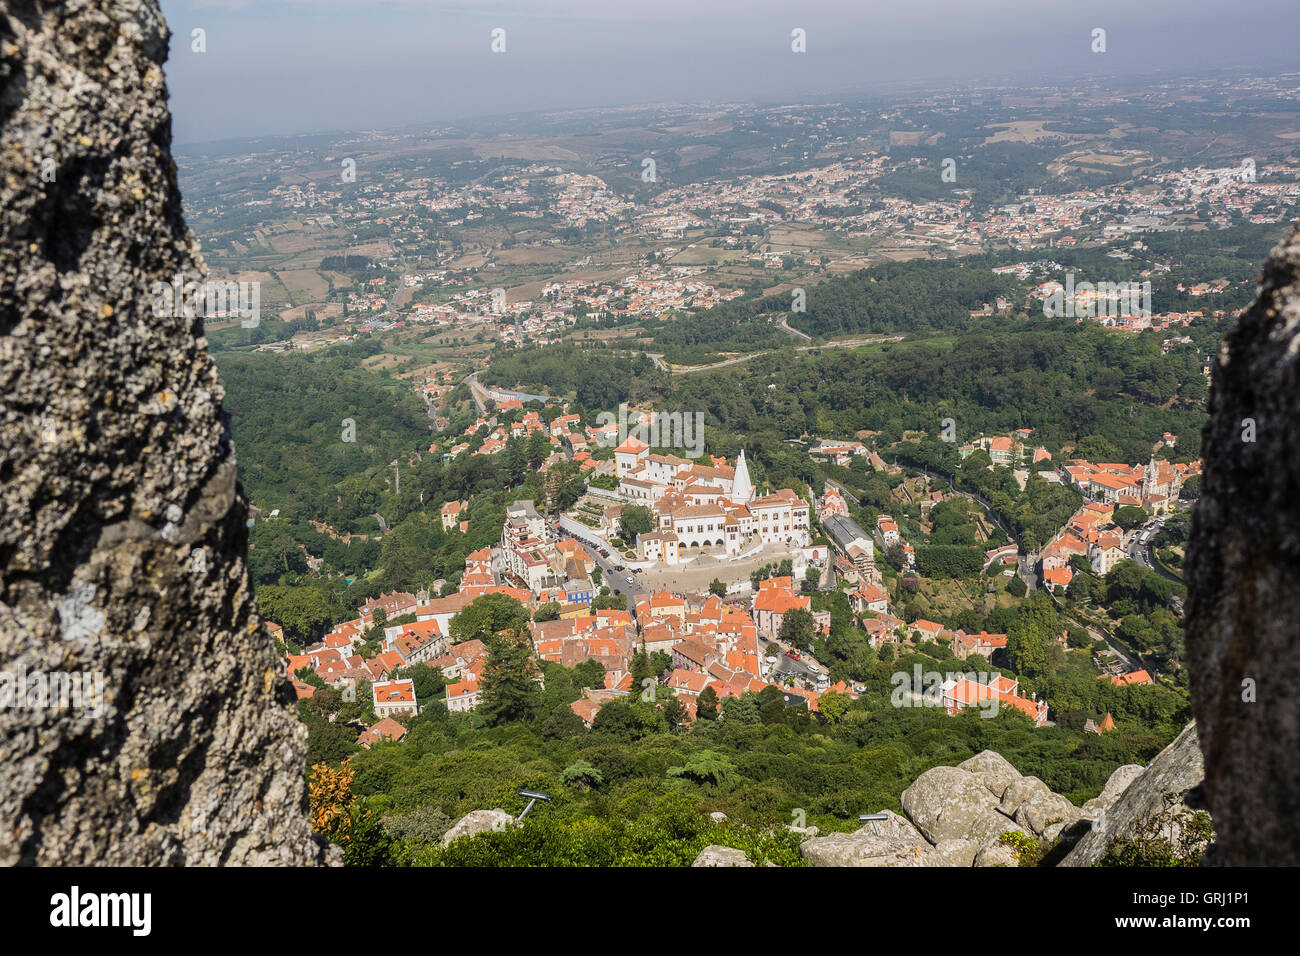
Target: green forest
[(289, 416)]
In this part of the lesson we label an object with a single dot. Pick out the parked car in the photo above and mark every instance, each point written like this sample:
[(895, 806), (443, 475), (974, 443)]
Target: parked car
[(631, 580)]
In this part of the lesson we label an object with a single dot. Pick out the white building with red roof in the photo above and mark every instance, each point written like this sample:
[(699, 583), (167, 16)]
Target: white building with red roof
[(394, 697), (629, 455)]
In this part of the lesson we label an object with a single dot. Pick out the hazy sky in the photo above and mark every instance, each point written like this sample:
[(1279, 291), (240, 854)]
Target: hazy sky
[(289, 66)]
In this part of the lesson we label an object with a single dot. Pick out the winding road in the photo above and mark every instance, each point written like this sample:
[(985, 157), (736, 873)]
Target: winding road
[(658, 357), (785, 326)]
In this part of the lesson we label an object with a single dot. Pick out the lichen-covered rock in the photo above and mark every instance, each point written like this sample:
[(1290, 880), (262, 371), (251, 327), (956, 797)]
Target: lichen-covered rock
[(945, 802), (1045, 813), (1163, 786), (1018, 791), (476, 822), (955, 853), (992, 769), (721, 856), (996, 853), (122, 527), (1243, 578), (864, 849), (894, 827), (897, 844), (990, 826), (1115, 786)]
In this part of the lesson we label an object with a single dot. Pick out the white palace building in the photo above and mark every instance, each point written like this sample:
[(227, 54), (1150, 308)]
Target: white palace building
[(702, 506)]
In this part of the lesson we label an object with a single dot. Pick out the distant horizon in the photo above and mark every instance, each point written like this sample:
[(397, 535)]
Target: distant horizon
[(285, 67), (847, 96)]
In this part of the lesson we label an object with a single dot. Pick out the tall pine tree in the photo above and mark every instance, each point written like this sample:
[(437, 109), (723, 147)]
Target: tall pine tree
[(510, 690), (706, 705)]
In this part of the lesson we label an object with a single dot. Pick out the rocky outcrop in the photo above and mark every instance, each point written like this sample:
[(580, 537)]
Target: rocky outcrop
[(953, 819), (1018, 792), (992, 770), (1116, 785), (958, 853), (476, 822), (958, 816), (1243, 578), (1162, 788), (897, 843), (122, 526), (1045, 813), (721, 856), (997, 854), (945, 802), (989, 827)]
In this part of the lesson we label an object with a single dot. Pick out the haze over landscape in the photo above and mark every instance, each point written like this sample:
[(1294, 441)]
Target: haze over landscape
[(292, 66)]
